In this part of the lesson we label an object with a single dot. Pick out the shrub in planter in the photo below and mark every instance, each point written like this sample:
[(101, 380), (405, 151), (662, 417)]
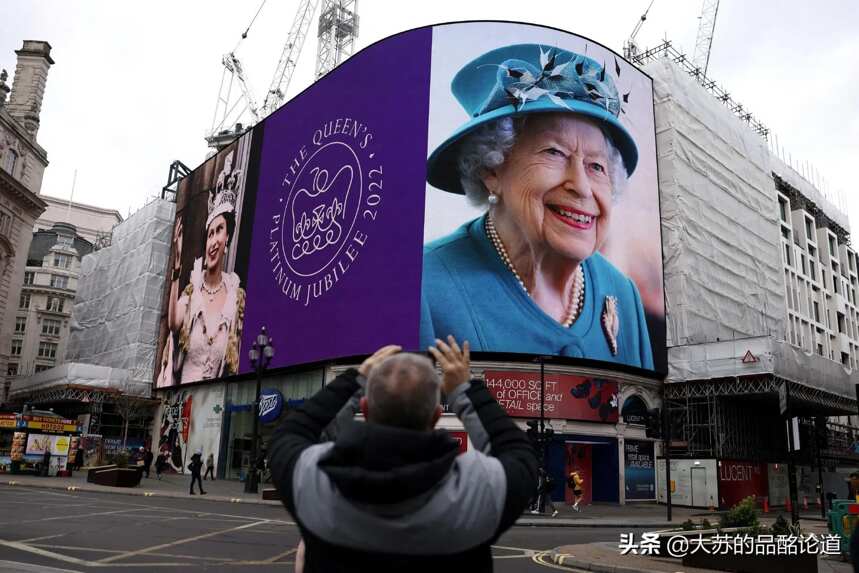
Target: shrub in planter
[(743, 514), (121, 460), (688, 525), (706, 525)]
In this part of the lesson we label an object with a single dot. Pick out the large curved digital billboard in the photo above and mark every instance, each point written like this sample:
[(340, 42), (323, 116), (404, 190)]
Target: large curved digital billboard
[(491, 180)]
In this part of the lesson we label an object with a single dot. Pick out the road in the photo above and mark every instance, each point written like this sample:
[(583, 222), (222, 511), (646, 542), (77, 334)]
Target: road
[(46, 530)]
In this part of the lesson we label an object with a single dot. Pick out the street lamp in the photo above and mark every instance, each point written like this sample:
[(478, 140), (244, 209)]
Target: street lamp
[(260, 354)]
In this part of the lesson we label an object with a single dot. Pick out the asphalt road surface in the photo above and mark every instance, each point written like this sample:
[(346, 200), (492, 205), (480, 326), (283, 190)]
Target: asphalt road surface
[(51, 531)]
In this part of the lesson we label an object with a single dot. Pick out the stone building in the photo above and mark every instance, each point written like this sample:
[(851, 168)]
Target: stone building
[(22, 165), (92, 223)]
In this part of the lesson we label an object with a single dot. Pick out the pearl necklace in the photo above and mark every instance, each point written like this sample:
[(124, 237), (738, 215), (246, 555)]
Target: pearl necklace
[(577, 296), (213, 292)]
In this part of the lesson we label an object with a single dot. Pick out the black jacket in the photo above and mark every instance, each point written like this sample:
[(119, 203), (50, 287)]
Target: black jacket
[(388, 499)]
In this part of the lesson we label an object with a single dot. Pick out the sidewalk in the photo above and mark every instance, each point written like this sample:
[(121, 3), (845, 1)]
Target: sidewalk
[(171, 485)]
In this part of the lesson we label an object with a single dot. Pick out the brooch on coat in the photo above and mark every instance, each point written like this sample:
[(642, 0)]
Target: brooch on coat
[(611, 323)]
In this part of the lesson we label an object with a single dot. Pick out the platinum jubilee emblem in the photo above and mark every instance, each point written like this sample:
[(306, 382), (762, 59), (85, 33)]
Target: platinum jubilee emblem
[(330, 195)]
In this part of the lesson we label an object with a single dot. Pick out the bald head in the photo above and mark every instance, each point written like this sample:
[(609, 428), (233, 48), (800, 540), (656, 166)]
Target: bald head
[(403, 391)]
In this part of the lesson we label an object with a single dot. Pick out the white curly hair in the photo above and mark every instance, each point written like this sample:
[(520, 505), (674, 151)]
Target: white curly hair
[(488, 146)]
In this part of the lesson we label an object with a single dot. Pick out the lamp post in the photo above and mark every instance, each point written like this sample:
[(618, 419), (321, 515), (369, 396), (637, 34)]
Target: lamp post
[(260, 354)]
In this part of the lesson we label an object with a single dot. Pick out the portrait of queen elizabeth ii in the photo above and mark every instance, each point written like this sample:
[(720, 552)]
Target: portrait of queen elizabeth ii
[(546, 157), (205, 314)]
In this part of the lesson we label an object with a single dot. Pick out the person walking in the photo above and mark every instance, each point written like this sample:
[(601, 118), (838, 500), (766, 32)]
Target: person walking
[(393, 493), (210, 466), (576, 483), (160, 463), (196, 466), (147, 461)]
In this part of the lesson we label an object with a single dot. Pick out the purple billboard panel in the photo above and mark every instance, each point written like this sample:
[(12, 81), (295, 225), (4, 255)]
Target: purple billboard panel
[(335, 258)]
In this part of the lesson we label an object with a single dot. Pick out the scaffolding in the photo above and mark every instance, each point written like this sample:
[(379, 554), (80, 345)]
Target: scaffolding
[(667, 50), (739, 418)]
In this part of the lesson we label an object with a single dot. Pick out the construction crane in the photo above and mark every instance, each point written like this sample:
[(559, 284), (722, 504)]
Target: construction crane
[(338, 30), (704, 39), (630, 49)]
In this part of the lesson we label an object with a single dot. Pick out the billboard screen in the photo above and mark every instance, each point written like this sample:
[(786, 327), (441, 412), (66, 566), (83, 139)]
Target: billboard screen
[(494, 181)]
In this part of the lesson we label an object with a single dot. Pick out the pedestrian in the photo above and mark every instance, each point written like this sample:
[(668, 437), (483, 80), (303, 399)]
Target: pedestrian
[(147, 461), (547, 484), (210, 466), (392, 493), (160, 463), (79, 458), (196, 466), (46, 461), (576, 483)]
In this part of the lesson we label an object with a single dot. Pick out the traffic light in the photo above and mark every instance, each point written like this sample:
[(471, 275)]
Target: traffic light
[(654, 424)]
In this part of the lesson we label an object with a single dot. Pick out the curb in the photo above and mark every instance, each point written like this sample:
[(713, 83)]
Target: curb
[(570, 562), (140, 492)]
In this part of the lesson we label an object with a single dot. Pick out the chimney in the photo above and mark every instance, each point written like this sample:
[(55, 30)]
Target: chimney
[(28, 89)]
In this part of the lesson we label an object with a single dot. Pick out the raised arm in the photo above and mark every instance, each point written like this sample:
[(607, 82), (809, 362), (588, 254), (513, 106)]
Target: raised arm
[(490, 428), (176, 308)]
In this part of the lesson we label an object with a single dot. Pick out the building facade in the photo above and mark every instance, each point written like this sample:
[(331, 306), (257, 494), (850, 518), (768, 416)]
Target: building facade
[(92, 223), (42, 321), (761, 305), (22, 165)]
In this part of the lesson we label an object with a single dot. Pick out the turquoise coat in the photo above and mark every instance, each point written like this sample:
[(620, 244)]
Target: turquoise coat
[(469, 293)]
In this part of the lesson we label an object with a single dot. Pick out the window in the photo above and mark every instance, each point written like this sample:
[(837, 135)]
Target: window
[(51, 326), (785, 232), (808, 230), (16, 347), (831, 245), (62, 261), (841, 323), (65, 240), (820, 349), (58, 281), (47, 350), (12, 369), (802, 263), (787, 260), (5, 223), (9, 161), (42, 367), (816, 311), (29, 277), (20, 324), (782, 208), (24, 301), (812, 269), (55, 304)]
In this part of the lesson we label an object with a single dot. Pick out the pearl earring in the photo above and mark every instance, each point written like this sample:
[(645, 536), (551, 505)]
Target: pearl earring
[(494, 199)]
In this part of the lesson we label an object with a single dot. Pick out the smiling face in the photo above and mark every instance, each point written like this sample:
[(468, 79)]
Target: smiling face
[(216, 243), (554, 187)]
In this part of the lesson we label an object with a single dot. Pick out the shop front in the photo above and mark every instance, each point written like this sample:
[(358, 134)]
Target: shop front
[(36, 444)]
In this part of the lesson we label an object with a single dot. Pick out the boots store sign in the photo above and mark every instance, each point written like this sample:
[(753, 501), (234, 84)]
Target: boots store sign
[(270, 406)]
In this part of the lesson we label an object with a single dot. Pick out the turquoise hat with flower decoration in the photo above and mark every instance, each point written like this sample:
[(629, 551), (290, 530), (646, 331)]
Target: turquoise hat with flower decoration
[(531, 78)]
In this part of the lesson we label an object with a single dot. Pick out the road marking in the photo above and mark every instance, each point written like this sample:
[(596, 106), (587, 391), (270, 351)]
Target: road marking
[(43, 552), (525, 551), (180, 542), (18, 566), (40, 538), (279, 556), (72, 516), (224, 560), (539, 560)]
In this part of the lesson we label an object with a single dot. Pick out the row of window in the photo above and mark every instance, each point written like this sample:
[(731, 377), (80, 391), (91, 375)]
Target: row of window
[(5, 224), (55, 303), (50, 326), (10, 158), (46, 349), (12, 368), (57, 281)]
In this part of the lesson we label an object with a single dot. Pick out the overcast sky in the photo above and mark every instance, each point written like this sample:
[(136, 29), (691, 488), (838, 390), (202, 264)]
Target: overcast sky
[(135, 84)]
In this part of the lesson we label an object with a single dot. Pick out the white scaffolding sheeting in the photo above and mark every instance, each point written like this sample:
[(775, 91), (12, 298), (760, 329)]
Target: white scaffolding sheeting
[(72, 373), (116, 314), (724, 278), (723, 272)]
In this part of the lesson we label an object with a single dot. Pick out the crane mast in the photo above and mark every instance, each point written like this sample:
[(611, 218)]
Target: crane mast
[(338, 30), (289, 56), (704, 39)]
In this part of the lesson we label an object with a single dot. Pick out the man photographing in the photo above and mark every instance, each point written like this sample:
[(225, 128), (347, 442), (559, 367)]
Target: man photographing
[(393, 494)]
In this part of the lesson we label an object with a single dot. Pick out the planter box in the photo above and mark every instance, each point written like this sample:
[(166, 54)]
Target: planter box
[(803, 563), (271, 493), (116, 477), (90, 475)]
